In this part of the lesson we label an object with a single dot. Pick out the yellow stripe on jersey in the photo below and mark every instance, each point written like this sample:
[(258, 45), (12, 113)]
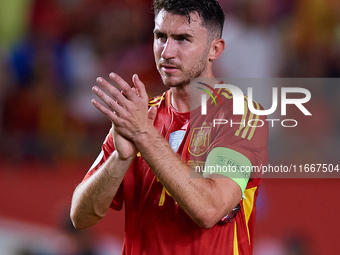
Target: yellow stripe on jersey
[(168, 98), (244, 134), (235, 246), (244, 125), (157, 100), (245, 120), (162, 198), (248, 205), (154, 104), (226, 95), (237, 133), (255, 124)]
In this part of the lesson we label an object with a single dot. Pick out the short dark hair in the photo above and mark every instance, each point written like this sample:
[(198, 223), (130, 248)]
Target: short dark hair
[(209, 11)]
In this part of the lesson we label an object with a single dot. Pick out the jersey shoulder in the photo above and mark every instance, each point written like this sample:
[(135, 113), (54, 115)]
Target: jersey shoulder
[(228, 99), (244, 116), (161, 100)]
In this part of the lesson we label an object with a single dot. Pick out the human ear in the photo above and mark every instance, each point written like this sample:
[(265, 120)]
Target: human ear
[(216, 49)]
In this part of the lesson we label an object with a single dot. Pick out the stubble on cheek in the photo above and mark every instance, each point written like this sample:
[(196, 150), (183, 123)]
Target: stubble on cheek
[(183, 76)]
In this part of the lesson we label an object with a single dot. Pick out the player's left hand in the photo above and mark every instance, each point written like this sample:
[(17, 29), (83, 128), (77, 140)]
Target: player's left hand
[(127, 109)]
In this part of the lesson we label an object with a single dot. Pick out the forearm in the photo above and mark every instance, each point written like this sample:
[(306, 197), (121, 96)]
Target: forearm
[(92, 198), (198, 196)]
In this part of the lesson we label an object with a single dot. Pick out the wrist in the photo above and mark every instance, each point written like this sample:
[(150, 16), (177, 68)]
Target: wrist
[(123, 159), (146, 138)]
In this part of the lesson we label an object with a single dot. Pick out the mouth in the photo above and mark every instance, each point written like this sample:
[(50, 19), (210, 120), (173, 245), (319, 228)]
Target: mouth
[(169, 69)]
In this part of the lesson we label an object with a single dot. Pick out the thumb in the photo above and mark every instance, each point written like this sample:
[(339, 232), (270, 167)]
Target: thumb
[(152, 114)]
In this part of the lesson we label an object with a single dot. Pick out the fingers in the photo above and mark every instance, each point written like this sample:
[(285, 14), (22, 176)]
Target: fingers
[(107, 112), (130, 94), (112, 104), (140, 86), (112, 90), (124, 102), (134, 91), (127, 91)]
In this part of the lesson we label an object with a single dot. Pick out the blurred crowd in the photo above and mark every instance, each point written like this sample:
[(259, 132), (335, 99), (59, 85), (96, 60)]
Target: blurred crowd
[(52, 51)]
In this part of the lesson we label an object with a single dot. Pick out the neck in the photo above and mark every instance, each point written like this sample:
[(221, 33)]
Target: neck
[(180, 98), (187, 98)]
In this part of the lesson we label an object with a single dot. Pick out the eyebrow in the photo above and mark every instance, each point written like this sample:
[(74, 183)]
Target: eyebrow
[(184, 35)]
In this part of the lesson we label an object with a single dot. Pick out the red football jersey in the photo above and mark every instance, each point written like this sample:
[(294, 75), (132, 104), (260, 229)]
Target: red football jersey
[(154, 223)]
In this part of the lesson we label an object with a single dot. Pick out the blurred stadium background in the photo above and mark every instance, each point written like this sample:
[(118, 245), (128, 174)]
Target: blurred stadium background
[(51, 51)]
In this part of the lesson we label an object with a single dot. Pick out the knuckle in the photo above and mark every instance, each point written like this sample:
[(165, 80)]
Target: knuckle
[(111, 104)]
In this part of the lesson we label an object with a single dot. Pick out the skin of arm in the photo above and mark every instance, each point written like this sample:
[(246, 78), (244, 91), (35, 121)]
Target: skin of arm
[(205, 200), (92, 198)]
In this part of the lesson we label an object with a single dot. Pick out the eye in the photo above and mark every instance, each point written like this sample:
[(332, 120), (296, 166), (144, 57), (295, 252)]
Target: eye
[(182, 39), (160, 36)]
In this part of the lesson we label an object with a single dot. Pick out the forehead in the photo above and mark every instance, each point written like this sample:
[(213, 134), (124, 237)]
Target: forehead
[(176, 24)]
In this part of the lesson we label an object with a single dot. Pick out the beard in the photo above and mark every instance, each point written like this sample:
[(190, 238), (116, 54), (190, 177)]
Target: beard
[(195, 71)]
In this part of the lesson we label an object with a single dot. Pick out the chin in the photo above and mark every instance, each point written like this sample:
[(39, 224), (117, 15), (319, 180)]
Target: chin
[(169, 81), (172, 82)]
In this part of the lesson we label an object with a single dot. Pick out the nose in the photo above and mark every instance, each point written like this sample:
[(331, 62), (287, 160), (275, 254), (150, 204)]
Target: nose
[(169, 49)]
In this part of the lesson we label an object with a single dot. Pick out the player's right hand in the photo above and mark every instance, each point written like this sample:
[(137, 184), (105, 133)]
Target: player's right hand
[(126, 148)]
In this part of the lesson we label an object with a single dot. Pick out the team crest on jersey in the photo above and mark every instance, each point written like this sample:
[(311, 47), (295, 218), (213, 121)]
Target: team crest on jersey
[(199, 141)]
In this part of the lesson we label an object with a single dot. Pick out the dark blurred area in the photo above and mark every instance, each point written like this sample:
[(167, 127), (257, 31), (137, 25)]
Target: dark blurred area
[(51, 52)]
